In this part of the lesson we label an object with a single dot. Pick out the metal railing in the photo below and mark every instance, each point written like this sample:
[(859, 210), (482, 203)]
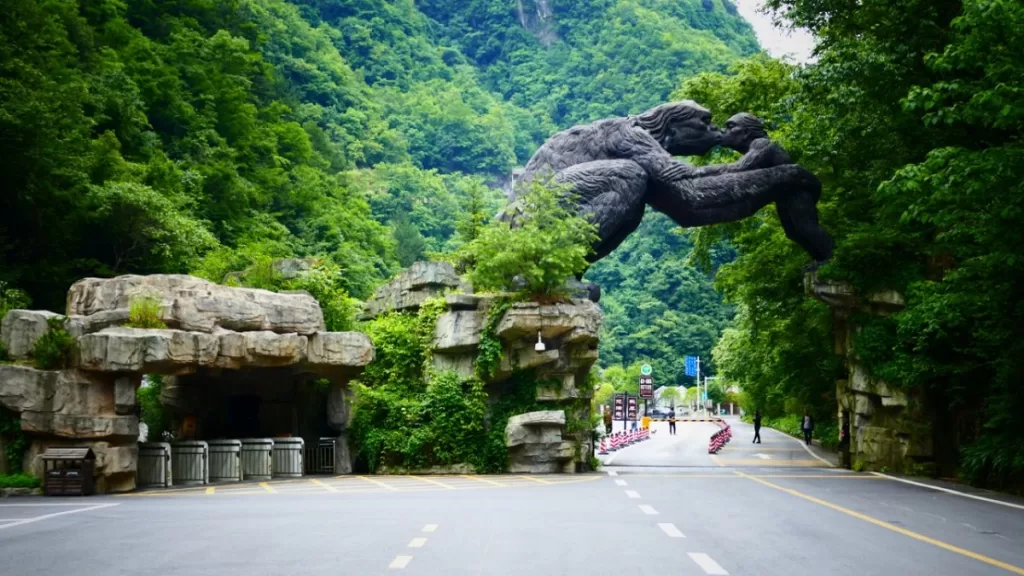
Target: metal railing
[(320, 458)]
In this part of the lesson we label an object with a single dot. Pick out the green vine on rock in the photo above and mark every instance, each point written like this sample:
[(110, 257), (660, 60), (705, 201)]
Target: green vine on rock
[(490, 349), (15, 440)]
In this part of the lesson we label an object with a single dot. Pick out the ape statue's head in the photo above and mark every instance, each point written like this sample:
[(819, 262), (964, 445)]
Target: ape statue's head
[(682, 128), (742, 129)]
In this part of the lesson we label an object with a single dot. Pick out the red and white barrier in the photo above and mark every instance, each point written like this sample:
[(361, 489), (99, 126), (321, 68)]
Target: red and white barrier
[(720, 438)]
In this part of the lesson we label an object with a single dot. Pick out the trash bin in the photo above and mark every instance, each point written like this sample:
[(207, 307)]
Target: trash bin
[(225, 460), (257, 456), (154, 465), (68, 471), (191, 462), (288, 457)]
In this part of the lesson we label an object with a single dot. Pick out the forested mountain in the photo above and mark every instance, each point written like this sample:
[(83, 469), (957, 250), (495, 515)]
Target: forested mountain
[(204, 136)]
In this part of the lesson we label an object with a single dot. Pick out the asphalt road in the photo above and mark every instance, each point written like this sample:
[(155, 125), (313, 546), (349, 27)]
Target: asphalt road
[(647, 513)]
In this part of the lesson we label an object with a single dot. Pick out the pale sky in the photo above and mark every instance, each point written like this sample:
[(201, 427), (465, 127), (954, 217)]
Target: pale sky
[(797, 44)]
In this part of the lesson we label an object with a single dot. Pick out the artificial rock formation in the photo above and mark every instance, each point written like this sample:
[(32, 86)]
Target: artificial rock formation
[(887, 427), (536, 445), (570, 333), (220, 340)]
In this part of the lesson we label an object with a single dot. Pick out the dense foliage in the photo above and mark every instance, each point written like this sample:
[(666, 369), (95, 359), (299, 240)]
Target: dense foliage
[(406, 415), (912, 116)]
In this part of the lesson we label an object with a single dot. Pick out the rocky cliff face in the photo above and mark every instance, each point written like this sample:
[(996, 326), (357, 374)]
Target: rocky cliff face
[(887, 427)]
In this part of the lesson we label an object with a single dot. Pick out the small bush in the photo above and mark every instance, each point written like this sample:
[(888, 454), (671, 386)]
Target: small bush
[(12, 299), (858, 466), (54, 349), (19, 481), (144, 312)]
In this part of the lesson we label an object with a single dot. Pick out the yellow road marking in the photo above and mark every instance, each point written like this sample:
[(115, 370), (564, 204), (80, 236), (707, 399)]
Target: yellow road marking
[(716, 460), (265, 487), (211, 490), (432, 481), (894, 528), (377, 482), (320, 483), (479, 479)]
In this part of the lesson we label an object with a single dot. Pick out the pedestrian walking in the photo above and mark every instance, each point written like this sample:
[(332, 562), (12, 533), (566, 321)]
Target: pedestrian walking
[(808, 427), (672, 422), (757, 427), (608, 421)]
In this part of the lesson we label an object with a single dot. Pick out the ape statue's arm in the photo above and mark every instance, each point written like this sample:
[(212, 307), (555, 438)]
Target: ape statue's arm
[(661, 167), (664, 169), (762, 153)]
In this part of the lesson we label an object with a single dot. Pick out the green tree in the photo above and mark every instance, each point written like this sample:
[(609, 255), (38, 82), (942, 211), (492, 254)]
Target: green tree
[(548, 245)]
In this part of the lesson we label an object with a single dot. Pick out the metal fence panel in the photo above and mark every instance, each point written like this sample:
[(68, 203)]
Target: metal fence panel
[(154, 465), (225, 460), (191, 462), (288, 457), (257, 454), (319, 459)]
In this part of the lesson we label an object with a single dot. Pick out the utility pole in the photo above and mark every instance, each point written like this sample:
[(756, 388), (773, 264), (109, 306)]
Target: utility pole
[(700, 398)]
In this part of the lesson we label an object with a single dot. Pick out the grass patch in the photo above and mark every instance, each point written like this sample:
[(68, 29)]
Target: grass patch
[(19, 481)]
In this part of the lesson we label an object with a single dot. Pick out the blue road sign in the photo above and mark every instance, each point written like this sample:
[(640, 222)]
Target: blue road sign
[(691, 365)]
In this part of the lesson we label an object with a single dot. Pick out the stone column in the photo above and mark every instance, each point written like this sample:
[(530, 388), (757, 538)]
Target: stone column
[(338, 412)]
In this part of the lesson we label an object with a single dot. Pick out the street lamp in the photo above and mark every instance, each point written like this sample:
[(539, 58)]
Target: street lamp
[(539, 346)]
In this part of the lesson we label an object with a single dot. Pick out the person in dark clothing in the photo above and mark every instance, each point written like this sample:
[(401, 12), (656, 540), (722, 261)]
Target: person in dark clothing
[(672, 422), (808, 427), (757, 427)]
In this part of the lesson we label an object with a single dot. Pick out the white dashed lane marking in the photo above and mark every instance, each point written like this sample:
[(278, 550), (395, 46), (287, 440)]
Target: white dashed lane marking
[(430, 527), (632, 493), (400, 562), (620, 482), (613, 473), (417, 542), (649, 510), (706, 564), (670, 530)]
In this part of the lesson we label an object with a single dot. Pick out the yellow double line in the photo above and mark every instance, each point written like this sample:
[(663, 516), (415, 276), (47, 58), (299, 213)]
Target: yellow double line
[(883, 524)]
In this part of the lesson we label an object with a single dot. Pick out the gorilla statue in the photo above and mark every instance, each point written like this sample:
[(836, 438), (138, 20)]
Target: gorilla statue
[(618, 166)]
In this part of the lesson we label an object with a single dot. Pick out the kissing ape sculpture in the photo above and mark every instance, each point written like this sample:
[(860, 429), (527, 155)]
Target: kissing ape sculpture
[(797, 207), (617, 166)]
